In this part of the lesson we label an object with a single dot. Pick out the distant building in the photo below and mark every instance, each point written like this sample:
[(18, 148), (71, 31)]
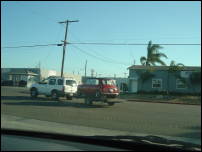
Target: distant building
[(31, 75), (159, 79)]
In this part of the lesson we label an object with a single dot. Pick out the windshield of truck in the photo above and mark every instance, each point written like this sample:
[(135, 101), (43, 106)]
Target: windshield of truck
[(108, 82), (45, 81), (70, 82), (92, 82)]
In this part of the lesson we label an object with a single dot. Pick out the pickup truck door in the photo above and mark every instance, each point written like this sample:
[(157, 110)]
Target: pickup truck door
[(93, 87)]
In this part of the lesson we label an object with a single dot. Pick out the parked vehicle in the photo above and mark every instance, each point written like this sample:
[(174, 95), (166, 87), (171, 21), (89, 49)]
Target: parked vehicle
[(22, 83), (98, 89), (7, 83), (55, 87)]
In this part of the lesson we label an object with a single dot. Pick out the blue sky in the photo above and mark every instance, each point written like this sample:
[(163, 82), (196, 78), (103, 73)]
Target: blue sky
[(29, 23)]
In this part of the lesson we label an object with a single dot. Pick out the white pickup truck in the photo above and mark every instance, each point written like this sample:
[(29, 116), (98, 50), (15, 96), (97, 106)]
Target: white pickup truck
[(55, 87)]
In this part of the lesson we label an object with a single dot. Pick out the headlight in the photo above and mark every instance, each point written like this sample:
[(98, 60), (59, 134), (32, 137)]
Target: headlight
[(115, 89), (111, 90)]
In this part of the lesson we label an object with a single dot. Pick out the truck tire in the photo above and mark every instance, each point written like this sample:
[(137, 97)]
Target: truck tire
[(98, 94), (34, 93), (88, 101), (54, 95), (78, 94)]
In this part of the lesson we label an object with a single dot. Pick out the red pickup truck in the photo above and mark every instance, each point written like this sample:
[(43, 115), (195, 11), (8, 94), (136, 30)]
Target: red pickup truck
[(98, 89)]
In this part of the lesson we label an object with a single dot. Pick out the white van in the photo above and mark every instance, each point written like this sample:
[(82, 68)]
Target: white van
[(55, 87)]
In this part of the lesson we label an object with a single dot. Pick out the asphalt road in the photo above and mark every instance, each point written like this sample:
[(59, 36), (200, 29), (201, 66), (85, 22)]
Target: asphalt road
[(148, 118)]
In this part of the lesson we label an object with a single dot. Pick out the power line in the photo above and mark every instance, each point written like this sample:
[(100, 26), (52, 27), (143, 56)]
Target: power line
[(89, 43), (94, 56), (10, 47), (98, 54)]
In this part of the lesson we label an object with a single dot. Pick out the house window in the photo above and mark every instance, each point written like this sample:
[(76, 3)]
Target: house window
[(180, 84), (156, 83)]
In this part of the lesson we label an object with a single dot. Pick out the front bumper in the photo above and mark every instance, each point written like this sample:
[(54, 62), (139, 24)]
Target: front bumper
[(63, 94), (111, 95)]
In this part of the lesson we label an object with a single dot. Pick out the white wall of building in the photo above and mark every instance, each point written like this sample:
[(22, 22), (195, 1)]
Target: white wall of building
[(46, 73)]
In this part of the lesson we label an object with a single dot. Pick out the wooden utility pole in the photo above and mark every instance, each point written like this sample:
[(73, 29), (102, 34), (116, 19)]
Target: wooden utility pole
[(65, 43), (92, 72), (85, 68)]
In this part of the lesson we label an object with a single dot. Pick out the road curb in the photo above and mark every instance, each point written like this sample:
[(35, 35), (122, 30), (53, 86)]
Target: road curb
[(136, 100)]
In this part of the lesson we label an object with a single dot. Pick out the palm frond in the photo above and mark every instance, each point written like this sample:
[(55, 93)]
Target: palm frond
[(172, 63), (143, 60), (159, 55), (180, 64), (155, 48), (153, 55), (158, 60), (153, 63)]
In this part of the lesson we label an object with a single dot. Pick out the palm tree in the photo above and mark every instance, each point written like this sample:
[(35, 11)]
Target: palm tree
[(153, 55), (175, 67)]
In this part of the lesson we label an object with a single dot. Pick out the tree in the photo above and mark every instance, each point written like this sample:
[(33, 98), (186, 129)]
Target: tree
[(173, 68), (153, 55), (146, 75)]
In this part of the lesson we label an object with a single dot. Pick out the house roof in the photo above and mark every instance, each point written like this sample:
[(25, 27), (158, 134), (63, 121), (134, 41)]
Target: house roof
[(22, 73), (185, 68), (101, 78)]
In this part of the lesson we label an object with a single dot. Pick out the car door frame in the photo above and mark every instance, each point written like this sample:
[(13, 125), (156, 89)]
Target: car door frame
[(50, 87), (42, 87)]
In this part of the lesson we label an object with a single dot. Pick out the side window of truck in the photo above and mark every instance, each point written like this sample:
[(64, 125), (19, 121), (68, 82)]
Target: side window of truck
[(60, 82), (96, 82), (92, 82), (52, 82)]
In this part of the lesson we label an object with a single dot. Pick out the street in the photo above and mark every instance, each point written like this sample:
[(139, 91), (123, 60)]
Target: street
[(148, 118)]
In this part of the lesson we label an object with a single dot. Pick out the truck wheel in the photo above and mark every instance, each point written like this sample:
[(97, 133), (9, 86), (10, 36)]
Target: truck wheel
[(78, 94), (54, 95), (97, 94), (88, 101), (34, 93)]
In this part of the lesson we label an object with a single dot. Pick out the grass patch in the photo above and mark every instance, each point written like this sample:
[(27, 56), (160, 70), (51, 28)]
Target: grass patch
[(184, 99)]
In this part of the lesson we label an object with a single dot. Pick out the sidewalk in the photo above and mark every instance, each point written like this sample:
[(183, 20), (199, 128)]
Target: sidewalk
[(164, 99), (167, 102)]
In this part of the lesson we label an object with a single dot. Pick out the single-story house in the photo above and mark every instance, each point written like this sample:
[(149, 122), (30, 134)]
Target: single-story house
[(31, 75), (163, 79)]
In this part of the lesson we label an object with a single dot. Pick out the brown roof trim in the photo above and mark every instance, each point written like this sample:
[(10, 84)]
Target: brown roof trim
[(22, 73)]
